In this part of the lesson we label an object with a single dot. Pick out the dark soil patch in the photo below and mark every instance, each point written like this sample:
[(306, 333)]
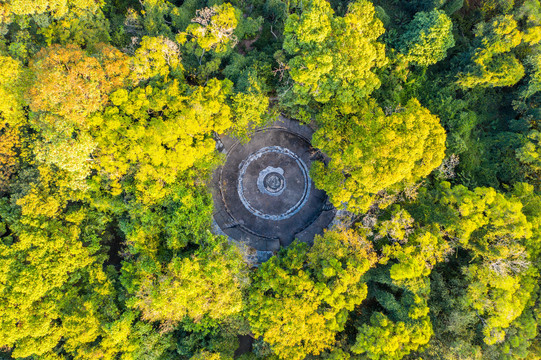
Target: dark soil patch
[(245, 345)]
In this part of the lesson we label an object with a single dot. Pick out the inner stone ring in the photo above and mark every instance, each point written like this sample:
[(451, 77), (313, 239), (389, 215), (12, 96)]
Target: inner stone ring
[(271, 181)]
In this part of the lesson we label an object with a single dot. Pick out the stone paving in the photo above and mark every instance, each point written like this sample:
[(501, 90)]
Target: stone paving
[(263, 194)]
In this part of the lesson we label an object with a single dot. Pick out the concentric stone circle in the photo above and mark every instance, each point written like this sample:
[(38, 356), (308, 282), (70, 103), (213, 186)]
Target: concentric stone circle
[(263, 193), (271, 182)]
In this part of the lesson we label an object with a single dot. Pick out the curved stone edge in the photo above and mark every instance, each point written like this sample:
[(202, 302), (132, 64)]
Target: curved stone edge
[(318, 227), (250, 255)]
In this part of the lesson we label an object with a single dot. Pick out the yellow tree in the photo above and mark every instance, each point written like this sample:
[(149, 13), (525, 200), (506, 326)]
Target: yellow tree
[(68, 86), (334, 57), (54, 8), (51, 246), (12, 87), (213, 27), (9, 142), (149, 135), (371, 151), (71, 84), (205, 286), (13, 82), (493, 62), (301, 298), (156, 58)]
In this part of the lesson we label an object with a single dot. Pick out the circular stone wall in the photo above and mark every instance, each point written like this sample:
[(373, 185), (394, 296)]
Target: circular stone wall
[(263, 193)]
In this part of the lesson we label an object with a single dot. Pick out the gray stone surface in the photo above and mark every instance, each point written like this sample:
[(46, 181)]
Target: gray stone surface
[(263, 194)]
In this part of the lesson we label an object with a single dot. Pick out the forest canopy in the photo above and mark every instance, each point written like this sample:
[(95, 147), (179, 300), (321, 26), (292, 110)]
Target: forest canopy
[(426, 127)]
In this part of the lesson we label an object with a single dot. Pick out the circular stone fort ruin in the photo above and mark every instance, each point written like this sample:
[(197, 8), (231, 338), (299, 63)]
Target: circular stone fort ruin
[(263, 194)]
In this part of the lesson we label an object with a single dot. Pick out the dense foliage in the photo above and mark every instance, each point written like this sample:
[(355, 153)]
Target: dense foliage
[(427, 114)]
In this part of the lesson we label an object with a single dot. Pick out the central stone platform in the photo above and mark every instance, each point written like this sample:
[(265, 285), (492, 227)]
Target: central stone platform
[(273, 183), (263, 193)]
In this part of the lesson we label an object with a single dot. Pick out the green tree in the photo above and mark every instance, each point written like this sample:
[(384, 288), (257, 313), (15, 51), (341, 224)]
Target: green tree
[(155, 15), (530, 152), (385, 339), (181, 218), (427, 38), (400, 285), (533, 63), (500, 280), (86, 29)]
